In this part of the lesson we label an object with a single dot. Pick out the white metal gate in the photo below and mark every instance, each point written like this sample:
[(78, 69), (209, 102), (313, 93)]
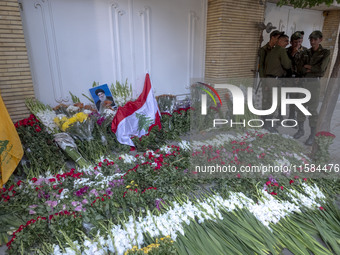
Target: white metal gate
[(72, 43)]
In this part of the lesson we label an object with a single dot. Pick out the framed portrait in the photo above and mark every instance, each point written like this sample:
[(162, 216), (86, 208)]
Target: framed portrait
[(102, 96)]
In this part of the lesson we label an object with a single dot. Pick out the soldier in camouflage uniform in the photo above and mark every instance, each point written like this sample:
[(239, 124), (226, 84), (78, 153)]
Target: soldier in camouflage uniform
[(313, 65), (294, 53), (276, 65)]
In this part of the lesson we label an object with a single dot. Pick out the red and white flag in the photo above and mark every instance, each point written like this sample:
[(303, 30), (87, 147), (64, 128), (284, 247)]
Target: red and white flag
[(135, 118)]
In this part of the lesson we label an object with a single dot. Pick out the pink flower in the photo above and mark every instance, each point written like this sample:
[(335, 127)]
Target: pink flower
[(94, 191), (85, 201), (32, 212), (78, 208), (75, 203)]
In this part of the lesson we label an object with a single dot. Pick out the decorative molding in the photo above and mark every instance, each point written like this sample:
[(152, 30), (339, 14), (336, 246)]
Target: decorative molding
[(293, 28), (145, 16), (52, 52), (132, 48), (282, 27), (116, 13), (192, 22)]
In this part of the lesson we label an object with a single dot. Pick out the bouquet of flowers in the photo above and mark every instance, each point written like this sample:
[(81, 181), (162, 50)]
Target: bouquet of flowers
[(79, 125), (47, 116)]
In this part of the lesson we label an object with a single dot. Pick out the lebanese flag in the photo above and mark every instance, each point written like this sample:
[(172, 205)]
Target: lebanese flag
[(125, 123)]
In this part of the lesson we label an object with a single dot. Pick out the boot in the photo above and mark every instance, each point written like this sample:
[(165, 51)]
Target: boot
[(311, 138), (300, 131)]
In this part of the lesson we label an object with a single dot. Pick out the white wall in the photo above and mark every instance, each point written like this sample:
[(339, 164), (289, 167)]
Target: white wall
[(289, 20), (72, 43)]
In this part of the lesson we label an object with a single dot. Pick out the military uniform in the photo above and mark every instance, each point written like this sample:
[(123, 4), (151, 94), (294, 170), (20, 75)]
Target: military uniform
[(296, 59), (263, 53), (294, 73), (276, 64), (319, 61)]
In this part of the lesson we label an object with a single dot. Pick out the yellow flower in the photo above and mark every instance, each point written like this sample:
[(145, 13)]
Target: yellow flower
[(81, 117), (56, 120), (128, 186), (65, 126), (72, 120)]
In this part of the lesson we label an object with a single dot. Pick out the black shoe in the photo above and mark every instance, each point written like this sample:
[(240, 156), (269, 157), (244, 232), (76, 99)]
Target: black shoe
[(310, 140), (301, 131)]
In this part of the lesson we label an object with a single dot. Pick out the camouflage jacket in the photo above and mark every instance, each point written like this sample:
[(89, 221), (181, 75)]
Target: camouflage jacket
[(296, 59)]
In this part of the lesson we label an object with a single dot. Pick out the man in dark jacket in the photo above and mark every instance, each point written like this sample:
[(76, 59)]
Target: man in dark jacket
[(295, 54), (313, 66)]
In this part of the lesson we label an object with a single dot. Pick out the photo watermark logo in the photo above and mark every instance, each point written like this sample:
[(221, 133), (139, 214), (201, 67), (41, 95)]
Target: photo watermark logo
[(238, 103)]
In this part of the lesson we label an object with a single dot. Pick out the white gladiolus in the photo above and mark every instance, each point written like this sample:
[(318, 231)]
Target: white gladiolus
[(268, 210)]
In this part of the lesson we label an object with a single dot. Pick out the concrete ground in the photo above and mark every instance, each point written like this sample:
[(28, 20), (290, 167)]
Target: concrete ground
[(335, 129)]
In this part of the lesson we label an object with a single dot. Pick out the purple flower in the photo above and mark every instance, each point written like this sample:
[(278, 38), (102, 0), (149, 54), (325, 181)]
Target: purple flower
[(159, 203), (78, 208), (32, 212), (52, 203), (75, 203), (100, 121), (85, 201), (94, 191), (109, 192), (116, 183), (82, 191)]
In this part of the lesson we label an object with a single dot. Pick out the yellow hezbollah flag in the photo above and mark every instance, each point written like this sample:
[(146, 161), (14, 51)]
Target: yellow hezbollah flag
[(11, 150)]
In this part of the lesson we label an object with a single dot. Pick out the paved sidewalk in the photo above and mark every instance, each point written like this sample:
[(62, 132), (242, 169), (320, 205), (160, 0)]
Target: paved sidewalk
[(335, 129)]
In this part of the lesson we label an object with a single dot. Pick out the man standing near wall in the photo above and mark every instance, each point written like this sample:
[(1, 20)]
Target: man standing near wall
[(313, 66), (277, 63), (274, 37), (295, 53)]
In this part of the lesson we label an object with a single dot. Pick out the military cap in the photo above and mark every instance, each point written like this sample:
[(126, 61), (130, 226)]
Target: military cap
[(297, 35), (98, 91), (315, 34), (276, 32)]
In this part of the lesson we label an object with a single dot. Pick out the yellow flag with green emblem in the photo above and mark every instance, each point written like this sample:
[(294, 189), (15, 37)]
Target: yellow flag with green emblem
[(11, 150)]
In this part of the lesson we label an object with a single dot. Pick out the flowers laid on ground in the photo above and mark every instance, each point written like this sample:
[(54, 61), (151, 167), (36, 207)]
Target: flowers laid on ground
[(142, 184), (40, 151), (156, 200), (323, 140)]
